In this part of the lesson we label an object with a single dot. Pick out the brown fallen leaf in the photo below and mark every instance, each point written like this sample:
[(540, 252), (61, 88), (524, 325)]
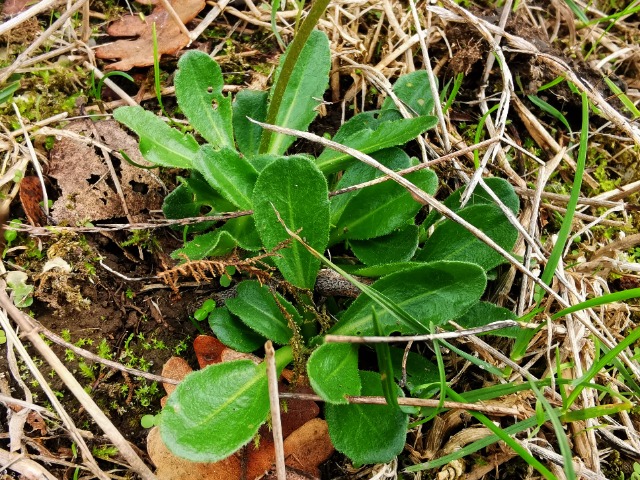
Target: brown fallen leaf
[(138, 52), (88, 192), (30, 198), (308, 446), (14, 7), (208, 350)]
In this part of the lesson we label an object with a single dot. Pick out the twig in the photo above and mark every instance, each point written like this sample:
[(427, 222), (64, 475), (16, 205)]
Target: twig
[(422, 338), (415, 168), (206, 21), (113, 227), (274, 402), (414, 402)]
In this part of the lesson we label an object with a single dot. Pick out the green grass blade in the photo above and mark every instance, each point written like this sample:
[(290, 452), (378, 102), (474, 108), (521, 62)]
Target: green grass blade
[(385, 364), (563, 442), (576, 11), (565, 230), (550, 109), (626, 101), (602, 300), (275, 5), (584, 381), (498, 434), (156, 69), (457, 83)]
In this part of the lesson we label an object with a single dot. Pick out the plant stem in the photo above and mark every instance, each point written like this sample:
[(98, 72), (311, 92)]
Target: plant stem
[(295, 48)]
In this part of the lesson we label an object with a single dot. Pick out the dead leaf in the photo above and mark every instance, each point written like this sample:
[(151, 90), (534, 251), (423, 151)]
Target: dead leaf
[(14, 7), (308, 447), (176, 368), (87, 189), (208, 350), (139, 51), (170, 467), (31, 198)]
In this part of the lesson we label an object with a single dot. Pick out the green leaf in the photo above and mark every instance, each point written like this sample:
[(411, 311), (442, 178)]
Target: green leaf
[(379, 209), (386, 134), (414, 91), (393, 158), (199, 85), (367, 433), (243, 230), (7, 92), (499, 186), (228, 172), (422, 375), (626, 101), (215, 411), (191, 198), (432, 293), (483, 313), (333, 372), (397, 246), (296, 189), (210, 244), (232, 332), (550, 109), (22, 291), (252, 104), (159, 143), (451, 241), (256, 307), (306, 87)]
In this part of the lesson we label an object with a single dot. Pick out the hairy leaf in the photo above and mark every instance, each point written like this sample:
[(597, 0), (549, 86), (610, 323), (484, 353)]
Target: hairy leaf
[(367, 433), (159, 143), (431, 293), (297, 191), (422, 375), (252, 104), (210, 244), (228, 172), (451, 241), (215, 411), (232, 332), (414, 91), (387, 134), (483, 313), (380, 209), (499, 186), (397, 246), (256, 306), (333, 371), (309, 80), (199, 85)]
